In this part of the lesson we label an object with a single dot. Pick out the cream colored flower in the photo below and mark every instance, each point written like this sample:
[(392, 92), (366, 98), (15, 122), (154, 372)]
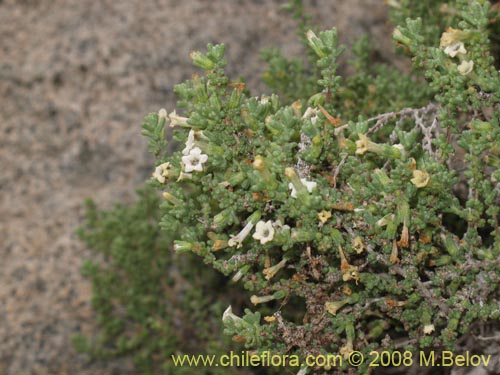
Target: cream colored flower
[(271, 271), (240, 237), (465, 67), (420, 178), (261, 299), (451, 36), (310, 185), (428, 329), (358, 244), (161, 172), (362, 144), (194, 161), (269, 319), (264, 231), (334, 306), (176, 120), (454, 49), (324, 215), (346, 350)]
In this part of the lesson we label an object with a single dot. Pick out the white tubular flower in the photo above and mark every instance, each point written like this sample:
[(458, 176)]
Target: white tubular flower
[(189, 143), (310, 185), (465, 67), (176, 120), (264, 231), (454, 49), (161, 172), (194, 161), (228, 314), (184, 176), (193, 136), (240, 237)]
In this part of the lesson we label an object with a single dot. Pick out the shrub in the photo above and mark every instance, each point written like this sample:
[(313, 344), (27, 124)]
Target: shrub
[(339, 208), (149, 305)]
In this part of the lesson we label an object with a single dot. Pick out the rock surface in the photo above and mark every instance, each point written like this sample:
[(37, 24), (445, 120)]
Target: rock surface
[(76, 79)]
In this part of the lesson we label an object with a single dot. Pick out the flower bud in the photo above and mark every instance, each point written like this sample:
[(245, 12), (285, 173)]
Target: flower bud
[(223, 218), (398, 36), (382, 177), (236, 178), (201, 61), (260, 165), (241, 272), (182, 246), (302, 235), (480, 126), (315, 43), (172, 199), (162, 114)]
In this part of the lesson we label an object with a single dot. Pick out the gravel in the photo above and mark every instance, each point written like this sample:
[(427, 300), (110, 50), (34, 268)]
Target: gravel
[(76, 79)]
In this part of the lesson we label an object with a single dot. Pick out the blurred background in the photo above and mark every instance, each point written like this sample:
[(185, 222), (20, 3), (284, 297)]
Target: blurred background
[(76, 79)]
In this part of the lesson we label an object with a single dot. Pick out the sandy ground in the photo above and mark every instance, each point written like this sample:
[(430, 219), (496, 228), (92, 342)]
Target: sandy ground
[(76, 79)]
